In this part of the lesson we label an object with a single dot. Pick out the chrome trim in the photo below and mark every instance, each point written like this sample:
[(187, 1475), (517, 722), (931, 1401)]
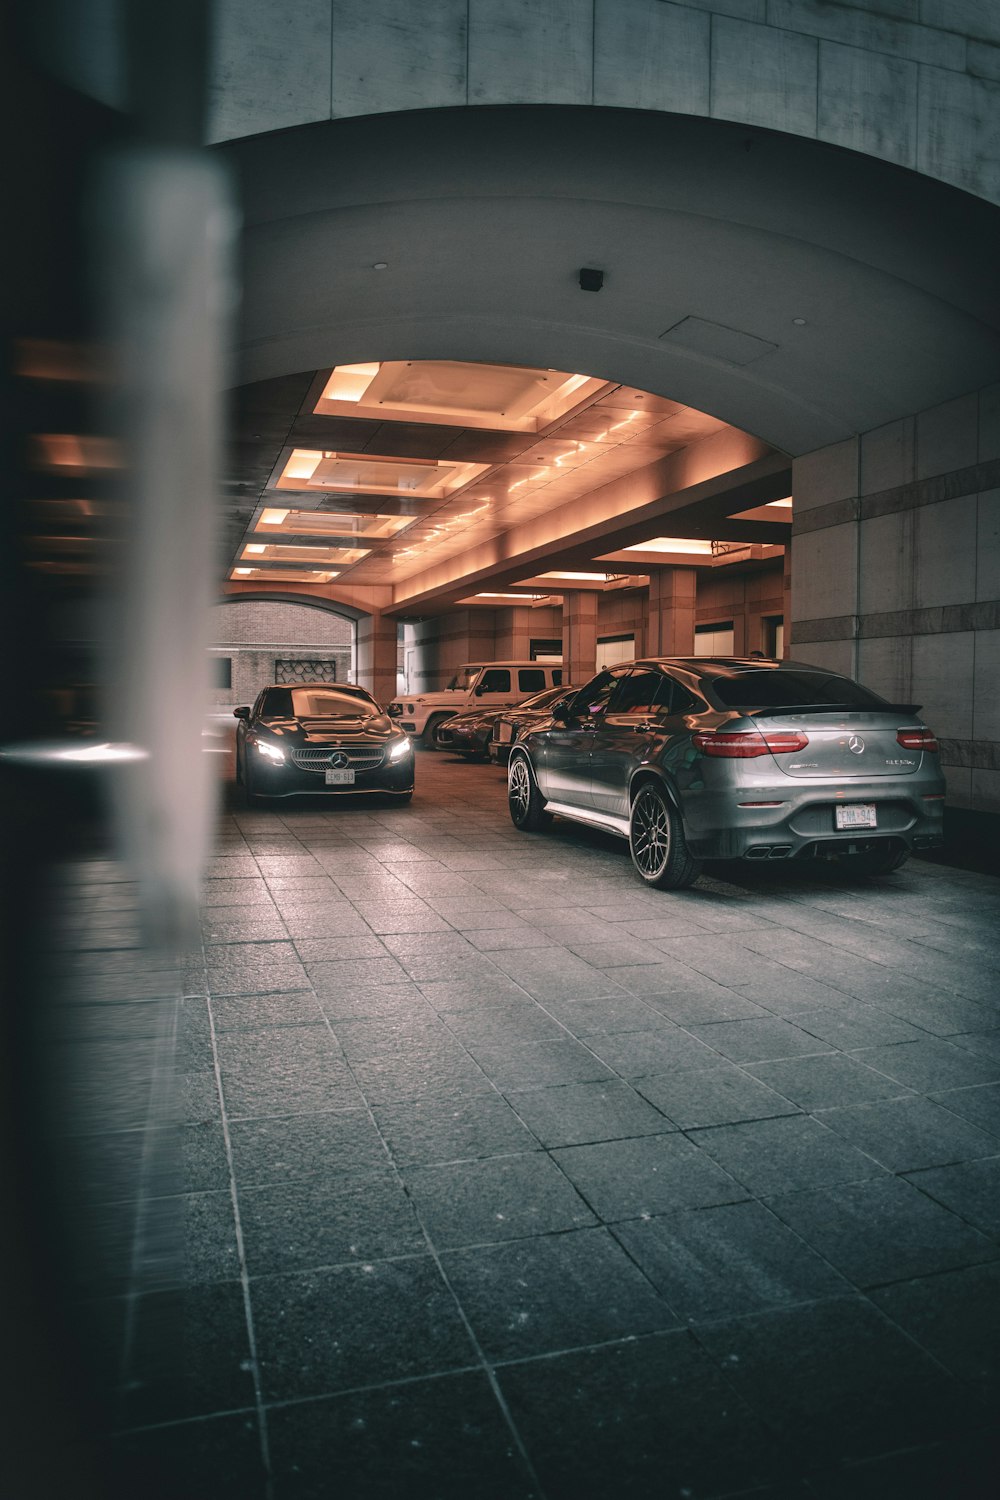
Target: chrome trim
[(360, 758), (590, 815)]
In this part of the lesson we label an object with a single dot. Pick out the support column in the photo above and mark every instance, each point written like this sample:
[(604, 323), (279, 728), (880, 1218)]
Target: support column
[(670, 622), (579, 635), (377, 655)]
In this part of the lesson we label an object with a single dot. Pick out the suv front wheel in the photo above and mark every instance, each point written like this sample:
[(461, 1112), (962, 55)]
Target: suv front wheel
[(657, 843), (525, 801)]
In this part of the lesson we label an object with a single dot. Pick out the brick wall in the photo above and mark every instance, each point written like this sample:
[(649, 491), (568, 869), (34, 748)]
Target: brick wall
[(253, 634)]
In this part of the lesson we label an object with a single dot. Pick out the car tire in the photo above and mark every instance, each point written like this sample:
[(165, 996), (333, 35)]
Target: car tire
[(429, 737), (524, 800), (657, 842)]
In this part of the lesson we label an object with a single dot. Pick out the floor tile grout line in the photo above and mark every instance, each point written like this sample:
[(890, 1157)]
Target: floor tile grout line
[(262, 1424)]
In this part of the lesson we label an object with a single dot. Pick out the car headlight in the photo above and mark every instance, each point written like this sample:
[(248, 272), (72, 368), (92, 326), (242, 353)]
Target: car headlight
[(399, 749), (272, 752)]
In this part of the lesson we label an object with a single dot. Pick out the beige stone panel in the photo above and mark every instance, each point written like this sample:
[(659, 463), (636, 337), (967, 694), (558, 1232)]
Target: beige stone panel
[(762, 76), (872, 25), (651, 55), (824, 573), (885, 666), (887, 456), (886, 563), (988, 546), (989, 423), (271, 66), (743, 10), (388, 56), (943, 681), (868, 102), (531, 51), (959, 130), (958, 784), (826, 475), (980, 18), (833, 656), (947, 436), (944, 552), (985, 790), (986, 718)]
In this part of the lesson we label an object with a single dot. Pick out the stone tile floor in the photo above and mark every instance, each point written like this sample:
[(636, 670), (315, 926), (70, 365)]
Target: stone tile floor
[(500, 1175)]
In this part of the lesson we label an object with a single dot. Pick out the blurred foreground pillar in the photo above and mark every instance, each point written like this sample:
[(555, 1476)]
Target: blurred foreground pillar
[(164, 240)]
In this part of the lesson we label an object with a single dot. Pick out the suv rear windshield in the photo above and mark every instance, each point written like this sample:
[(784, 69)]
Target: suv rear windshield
[(776, 689)]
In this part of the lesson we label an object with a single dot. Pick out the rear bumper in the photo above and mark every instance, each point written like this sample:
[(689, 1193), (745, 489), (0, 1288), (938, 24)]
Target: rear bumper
[(804, 826)]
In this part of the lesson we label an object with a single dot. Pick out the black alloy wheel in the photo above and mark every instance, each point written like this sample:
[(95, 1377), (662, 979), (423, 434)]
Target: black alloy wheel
[(525, 801), (656, 839)]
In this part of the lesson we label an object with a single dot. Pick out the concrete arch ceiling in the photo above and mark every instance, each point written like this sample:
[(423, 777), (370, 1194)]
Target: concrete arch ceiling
[(715, 239)]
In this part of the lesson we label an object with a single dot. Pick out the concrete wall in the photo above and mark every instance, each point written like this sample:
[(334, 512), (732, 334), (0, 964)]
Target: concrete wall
[(915, 82), (896, 575)]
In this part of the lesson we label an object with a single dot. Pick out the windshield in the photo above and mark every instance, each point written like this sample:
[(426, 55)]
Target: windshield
[(315, 703), (777, 689), (464, 678)]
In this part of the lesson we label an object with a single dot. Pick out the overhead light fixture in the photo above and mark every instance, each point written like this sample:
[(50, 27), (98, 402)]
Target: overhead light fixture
[(506, 398)]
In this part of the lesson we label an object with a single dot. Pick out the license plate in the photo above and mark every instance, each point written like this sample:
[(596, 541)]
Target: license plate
[(856, 815), (339, 778)]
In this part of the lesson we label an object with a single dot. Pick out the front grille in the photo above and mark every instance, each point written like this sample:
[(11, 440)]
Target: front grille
[(363, 759)]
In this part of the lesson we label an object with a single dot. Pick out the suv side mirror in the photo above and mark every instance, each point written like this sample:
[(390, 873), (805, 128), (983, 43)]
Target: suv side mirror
[(479, 691), (241, 713)]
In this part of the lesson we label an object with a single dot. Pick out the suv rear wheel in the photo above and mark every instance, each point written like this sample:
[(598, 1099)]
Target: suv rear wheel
[(656, 839)]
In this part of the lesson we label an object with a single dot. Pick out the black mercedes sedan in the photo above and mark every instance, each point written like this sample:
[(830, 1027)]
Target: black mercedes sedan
[(320, 737), (694, 758)]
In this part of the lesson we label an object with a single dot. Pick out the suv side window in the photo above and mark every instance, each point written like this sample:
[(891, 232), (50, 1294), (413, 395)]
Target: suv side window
[(593, 697), (495, 680), (557, 676), (530, 679), (641, 693), (680, 700)]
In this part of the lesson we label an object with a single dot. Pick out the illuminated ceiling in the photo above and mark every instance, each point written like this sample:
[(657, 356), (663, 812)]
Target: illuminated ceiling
[(381, 473)]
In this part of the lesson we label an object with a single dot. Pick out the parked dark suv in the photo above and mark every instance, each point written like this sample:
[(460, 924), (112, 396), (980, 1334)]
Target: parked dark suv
[(694, 758)]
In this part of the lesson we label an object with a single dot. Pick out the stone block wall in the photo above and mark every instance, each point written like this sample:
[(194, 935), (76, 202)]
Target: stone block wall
[(896, 575)]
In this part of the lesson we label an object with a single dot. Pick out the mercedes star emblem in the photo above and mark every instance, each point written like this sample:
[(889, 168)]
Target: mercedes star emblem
[(856, 744), (339, 759)]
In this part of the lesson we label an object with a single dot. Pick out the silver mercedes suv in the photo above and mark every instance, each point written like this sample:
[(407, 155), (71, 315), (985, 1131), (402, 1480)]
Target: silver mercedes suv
[(695, 758)]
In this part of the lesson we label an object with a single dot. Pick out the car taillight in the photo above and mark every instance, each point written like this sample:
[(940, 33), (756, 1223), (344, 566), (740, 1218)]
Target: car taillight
[(917, 739), (746, 744)]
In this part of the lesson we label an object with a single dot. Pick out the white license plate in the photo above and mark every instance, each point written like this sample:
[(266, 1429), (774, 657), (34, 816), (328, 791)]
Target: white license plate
[(856, 815), (339, 778)]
